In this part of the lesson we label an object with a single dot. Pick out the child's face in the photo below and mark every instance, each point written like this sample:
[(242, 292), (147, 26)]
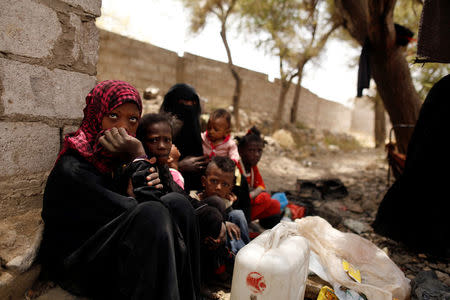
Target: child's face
[(217, 182), (251, 153), (174, 154), (158, 141), (218, 129), (123, 116)]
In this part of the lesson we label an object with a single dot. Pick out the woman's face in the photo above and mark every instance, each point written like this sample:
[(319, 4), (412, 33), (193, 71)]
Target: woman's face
[(158, 141), (124, 116), (186, 102), (251, 153)]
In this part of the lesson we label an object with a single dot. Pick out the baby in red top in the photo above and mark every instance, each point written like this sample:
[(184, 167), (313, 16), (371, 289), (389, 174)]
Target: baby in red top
[(216, 140)]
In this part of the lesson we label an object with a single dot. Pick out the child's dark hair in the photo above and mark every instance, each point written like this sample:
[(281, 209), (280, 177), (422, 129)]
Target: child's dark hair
[(252, 135), (221, 113), (224, 163), (149, 119)]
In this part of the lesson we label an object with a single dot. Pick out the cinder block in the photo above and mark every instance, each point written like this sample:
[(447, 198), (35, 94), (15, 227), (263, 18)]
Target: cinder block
[(89, 6), (27, 148), (69, 129), (66, 130), (28, 28), (38, 91), (83, 46)]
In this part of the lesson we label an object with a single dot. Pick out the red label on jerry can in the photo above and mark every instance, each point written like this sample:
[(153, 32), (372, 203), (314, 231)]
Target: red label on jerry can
[(256, 282)]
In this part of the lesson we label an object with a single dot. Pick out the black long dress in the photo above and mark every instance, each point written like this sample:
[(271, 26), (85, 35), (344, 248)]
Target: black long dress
[(414, 208), (187, 138), (105, 245)]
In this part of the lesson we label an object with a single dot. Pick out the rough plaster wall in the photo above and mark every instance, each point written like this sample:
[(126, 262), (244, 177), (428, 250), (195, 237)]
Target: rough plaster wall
[(48, 57), (144, 65), (363, 118), (138, 63)]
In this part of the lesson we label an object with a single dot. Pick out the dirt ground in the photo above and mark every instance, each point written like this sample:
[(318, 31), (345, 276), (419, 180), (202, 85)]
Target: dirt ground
[(364, 174)]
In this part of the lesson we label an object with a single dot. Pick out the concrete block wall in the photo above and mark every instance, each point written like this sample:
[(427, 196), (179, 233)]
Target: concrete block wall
[(138, 63), (363, 118), (48, 58), (144, 65)]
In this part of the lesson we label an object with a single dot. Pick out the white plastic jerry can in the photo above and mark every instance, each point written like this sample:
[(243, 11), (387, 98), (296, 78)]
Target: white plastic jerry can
[(274, 266)]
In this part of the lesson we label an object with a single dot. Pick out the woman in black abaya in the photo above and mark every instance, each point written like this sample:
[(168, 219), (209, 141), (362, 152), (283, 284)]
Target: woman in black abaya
[(183, 102), (414, 208), (101, 242)]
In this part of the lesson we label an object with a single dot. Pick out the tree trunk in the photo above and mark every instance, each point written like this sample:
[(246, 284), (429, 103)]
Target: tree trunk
[(236, 96), (298, 90), (281, 100), (394, 83), (237, 79), (380, 122), (373, 20)]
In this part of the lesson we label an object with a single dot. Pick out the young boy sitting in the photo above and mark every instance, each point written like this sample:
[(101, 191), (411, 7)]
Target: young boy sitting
[(218, 181), (213, 254)]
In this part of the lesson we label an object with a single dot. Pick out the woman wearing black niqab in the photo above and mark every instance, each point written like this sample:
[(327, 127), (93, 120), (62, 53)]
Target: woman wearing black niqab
[(101, 242), (183, 102)]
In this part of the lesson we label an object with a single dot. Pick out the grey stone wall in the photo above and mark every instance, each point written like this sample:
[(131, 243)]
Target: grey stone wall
[(363, 118), (48, 58), (144, 65)]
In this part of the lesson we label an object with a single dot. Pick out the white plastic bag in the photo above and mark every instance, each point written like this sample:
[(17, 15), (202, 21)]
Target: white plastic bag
[(272, 266), (381, 278)]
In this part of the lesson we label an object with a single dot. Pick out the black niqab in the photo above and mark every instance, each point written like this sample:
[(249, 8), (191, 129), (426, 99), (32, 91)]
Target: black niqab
[(187, 139)]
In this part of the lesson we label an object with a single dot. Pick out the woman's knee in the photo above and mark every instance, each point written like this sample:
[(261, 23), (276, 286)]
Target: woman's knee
[(178, 203), (152, 218)]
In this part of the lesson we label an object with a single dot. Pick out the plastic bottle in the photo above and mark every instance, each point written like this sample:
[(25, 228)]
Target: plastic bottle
[(272, 266)]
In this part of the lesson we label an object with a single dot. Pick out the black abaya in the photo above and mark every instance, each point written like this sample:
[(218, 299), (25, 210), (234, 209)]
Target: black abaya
[(188, 137), (102, 244), (414, 208)]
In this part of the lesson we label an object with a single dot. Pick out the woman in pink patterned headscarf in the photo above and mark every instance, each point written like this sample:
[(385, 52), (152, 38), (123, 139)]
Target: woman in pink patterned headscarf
[(100, 240)]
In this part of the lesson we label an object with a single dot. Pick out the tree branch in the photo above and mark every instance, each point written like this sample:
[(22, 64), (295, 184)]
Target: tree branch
[(355, 15)]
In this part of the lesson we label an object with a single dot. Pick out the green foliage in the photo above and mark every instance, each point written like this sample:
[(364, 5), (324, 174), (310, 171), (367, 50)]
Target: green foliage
[(344, 142), (200, 10), (426, 75), (292, 30)]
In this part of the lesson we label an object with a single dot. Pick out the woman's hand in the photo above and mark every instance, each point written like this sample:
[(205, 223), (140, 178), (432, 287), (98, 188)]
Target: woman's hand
[(193, 164), (119, 141), (233, 230), (142, 175), (231, 197)]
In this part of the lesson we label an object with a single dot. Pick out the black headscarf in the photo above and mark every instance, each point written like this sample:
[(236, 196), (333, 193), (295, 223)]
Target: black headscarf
[(413, 210), (187, 138)]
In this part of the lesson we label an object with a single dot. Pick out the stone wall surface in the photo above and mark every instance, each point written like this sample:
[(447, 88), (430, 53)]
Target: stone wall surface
[(145, 65), (139, 63), (48, 63)]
